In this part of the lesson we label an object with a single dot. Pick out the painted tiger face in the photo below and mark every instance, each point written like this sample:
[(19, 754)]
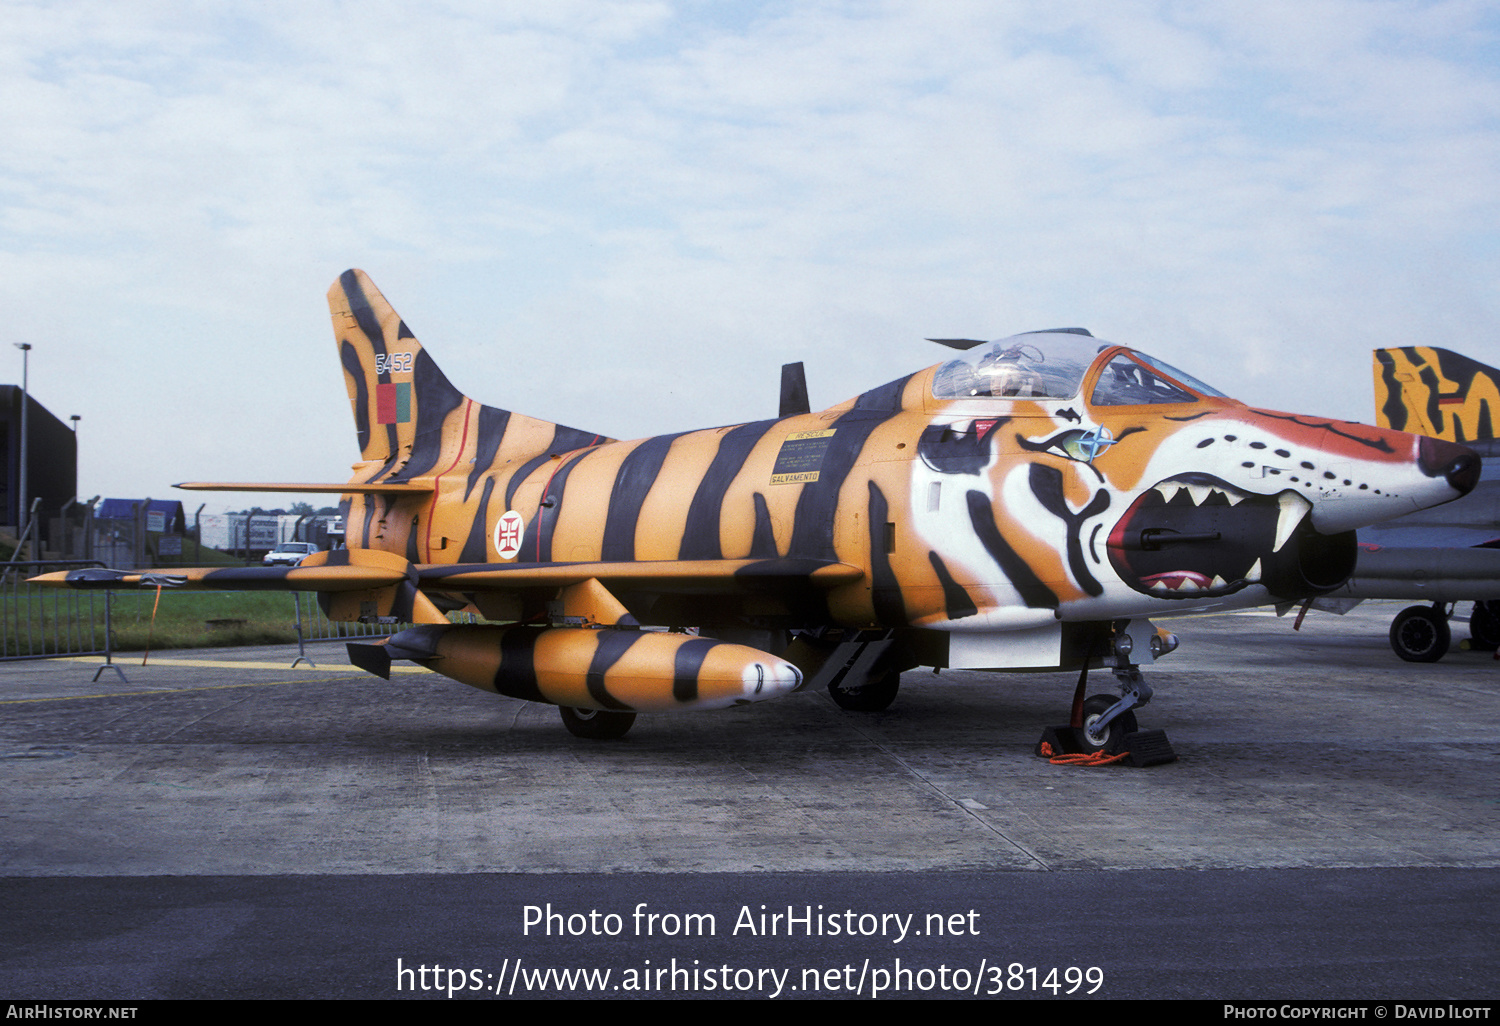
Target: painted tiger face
[(1242, 496), (1175, 494)]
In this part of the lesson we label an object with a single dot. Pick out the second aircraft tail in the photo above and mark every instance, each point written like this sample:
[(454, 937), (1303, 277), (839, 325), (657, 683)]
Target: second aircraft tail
[(1436, 392)]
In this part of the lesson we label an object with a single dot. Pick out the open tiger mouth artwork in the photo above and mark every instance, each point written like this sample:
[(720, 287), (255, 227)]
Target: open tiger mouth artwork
[(1195, 536)]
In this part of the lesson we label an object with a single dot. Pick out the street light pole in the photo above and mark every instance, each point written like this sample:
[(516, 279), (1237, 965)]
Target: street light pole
[(25, 348), (75, 418)]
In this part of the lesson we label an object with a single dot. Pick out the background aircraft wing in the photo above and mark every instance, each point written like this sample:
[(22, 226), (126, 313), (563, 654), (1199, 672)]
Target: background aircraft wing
[(347, 488)]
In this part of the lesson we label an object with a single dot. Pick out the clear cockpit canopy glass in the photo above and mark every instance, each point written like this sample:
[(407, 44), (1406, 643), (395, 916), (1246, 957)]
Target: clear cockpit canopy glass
[(1043, 365), (1052, 365)]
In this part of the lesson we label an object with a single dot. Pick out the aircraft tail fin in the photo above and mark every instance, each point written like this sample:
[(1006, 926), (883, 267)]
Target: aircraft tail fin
[(407, 414), (394, 387), (1435, 392)]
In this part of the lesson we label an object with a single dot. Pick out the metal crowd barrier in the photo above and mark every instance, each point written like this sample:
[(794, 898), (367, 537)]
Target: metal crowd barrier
[(42, 623), (46, 623)]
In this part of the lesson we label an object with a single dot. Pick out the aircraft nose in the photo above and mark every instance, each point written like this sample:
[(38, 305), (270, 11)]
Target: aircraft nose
[(1458, 464)]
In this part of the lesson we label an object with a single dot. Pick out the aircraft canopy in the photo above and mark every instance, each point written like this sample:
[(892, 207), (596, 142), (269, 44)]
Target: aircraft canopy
[(1052, 365)]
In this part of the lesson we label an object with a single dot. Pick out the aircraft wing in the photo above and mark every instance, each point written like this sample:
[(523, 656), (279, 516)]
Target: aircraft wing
[(682, 577), (364, 583), (231, 578), (686, 577)]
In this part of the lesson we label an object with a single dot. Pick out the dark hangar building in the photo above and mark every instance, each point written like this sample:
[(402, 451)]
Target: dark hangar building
[(51, 465)]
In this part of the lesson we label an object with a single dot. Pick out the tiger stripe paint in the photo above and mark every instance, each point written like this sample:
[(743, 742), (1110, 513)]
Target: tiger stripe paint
[(638, 671), (1436, 392), (964, 515), (585, 498)]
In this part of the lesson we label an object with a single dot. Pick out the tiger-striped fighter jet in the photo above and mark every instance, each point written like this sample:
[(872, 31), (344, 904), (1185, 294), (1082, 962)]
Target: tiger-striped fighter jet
[(1029, 504)]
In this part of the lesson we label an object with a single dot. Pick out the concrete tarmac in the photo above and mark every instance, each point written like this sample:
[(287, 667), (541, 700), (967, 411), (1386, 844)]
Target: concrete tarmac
[(1330, 805)]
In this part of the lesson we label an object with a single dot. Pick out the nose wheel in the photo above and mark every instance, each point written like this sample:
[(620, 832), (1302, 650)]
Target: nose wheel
[(1105, 726), (1095, 735)]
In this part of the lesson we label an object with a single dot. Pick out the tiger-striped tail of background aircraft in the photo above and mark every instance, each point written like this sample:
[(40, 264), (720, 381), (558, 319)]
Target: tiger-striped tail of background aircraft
[(1029, 504), (1447, 556)]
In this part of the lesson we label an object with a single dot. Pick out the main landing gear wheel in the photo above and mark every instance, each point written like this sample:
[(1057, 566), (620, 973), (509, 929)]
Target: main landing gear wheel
[(1094, 707), (1420, 634), (596, 724), (1484, 627), (876, 696)]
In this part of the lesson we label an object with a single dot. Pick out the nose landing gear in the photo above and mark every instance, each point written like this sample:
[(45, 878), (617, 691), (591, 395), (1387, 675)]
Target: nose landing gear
[(1105, 726), (1097, 734)]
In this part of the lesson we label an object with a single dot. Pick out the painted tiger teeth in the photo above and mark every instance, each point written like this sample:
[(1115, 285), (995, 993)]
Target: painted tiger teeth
[(1291, 509), (1186, 582), (1198, 493)]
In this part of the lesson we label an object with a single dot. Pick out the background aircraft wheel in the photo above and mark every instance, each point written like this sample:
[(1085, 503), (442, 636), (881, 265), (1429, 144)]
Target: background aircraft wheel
[(596, 724), (875, 696), (1096, 706), (1484, 627), (1420, 634)]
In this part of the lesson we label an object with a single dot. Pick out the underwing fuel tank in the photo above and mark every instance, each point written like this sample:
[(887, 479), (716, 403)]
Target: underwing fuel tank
[(608, 669)]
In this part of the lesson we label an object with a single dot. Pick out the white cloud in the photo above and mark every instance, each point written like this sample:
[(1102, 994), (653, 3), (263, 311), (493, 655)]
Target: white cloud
[(577, 205)]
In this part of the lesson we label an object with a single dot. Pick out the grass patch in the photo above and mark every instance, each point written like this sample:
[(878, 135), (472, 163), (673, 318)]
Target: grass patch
[(38, 621), (211, 619)]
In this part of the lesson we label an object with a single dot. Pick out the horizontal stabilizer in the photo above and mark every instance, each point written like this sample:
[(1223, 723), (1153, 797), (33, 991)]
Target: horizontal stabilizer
[(348, 488)]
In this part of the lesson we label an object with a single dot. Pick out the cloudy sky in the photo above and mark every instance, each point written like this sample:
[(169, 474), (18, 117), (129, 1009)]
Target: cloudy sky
[(626, 215)]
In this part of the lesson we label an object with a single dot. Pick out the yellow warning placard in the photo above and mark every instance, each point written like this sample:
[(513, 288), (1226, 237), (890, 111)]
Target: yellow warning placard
[(801, 457)]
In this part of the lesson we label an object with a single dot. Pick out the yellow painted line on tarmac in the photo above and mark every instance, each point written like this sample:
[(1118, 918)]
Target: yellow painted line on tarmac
[(233, 664), (203, 664), (201, 687)]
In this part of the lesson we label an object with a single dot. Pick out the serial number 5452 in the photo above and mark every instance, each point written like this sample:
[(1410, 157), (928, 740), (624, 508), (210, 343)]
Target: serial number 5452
[(393, 363)]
